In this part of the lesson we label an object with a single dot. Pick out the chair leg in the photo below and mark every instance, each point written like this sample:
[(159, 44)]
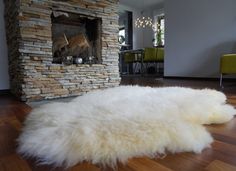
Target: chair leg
[(135, 68), (221, 80), (127, 65)]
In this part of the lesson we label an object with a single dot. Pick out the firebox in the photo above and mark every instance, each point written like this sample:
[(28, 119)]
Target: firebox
[(76, 38)]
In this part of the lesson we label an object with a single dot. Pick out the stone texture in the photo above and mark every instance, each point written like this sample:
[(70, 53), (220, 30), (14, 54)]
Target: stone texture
[(33, 76)]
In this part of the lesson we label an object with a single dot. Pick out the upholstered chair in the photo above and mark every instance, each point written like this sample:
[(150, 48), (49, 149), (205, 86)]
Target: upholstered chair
[(150, 55), (160, 54), (129, 59), (153, 55), (227, 66)]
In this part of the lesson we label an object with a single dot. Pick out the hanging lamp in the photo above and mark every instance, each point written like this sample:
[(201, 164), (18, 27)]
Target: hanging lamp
[(143, 22)]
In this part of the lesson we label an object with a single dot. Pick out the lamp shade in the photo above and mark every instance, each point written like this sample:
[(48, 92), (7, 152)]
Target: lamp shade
[(143, 22)]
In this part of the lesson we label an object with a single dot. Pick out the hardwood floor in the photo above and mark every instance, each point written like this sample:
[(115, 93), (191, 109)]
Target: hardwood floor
[(221, 157)]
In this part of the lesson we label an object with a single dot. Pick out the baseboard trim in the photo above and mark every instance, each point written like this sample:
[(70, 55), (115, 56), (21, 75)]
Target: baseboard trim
[(5, 92)]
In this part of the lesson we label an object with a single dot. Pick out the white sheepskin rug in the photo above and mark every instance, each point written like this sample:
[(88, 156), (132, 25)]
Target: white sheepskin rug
[(109, 126)]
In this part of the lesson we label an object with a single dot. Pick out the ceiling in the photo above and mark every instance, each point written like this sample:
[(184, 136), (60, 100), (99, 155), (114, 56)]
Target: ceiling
[(141, 4)]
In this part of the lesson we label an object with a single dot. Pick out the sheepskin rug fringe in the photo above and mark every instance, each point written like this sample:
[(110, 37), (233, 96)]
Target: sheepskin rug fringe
[(107, 126)]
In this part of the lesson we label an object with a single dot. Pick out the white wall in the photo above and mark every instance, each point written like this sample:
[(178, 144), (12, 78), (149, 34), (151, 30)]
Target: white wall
[(148, 31), (198, 32), (4, 78)]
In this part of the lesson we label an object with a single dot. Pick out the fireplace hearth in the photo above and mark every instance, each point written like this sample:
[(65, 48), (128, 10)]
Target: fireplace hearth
[(61, 48)]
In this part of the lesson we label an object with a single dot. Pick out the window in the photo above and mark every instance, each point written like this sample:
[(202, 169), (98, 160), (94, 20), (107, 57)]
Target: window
[(122, 36), (159, 30)]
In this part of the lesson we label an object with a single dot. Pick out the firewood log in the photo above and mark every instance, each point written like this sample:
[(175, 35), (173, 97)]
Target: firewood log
[(78, 44), (60, 43)]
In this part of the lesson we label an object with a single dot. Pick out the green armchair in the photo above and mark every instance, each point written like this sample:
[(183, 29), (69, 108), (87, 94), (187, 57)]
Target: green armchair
[(150, 55), (132, 59), (160, 54), (153, 55), (227, 66), (129, 57)]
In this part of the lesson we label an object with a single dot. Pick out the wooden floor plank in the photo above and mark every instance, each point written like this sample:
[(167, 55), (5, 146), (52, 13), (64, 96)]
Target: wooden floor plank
[(13, 163), (8, 136), (187, 163), (218, 165), (142, 164), (84, 167)]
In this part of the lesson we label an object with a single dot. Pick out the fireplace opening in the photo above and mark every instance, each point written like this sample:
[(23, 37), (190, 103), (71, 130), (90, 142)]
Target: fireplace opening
[(76, 38)]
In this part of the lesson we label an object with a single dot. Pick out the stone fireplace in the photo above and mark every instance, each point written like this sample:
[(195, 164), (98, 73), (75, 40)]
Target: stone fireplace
[(61, 48)]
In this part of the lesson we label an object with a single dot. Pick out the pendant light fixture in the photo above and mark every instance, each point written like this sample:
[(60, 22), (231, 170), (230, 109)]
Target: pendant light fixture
[(143, 22)]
